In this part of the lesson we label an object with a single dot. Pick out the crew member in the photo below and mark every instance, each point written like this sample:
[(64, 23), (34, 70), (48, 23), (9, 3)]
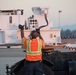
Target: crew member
[(33, 57)]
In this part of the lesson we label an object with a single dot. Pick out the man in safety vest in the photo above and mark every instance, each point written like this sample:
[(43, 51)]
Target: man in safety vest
[(33, 56)]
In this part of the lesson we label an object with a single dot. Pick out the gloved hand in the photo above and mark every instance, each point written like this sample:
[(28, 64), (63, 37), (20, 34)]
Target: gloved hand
[(38, 31), (21, 27)]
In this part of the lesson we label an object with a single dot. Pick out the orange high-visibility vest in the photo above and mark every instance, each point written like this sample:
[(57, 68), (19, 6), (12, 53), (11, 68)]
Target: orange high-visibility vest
[(33, 49)]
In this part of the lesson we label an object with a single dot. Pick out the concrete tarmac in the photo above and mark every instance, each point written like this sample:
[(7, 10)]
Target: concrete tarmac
[(13, 55), (12, 52), (18, 52)]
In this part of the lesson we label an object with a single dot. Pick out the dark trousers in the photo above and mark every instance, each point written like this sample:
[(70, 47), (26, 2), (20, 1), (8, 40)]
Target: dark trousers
[(33, 68)]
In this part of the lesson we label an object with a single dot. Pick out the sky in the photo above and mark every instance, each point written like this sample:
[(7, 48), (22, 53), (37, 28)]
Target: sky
[(68, 8)]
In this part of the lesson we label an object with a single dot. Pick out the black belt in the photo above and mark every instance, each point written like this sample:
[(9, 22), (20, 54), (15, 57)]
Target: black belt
[(33, 61)]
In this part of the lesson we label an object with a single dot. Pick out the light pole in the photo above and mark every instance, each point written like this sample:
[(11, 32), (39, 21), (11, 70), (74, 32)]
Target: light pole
[(19, 13), (59, 17)]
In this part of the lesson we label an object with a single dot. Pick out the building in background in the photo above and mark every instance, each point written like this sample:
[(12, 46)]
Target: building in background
[(10, 19)]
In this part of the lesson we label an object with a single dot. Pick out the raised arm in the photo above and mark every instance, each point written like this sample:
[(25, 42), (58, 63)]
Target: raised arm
[(22, 34), (43, 43), (38, 30), (41, 37), (22, 31)]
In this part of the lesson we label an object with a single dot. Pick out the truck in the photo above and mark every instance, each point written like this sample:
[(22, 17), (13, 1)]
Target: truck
[(10, 19), (70, 46)]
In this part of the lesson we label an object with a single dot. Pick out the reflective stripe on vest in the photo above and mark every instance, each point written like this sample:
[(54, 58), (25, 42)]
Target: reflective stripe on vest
[(30, 52)]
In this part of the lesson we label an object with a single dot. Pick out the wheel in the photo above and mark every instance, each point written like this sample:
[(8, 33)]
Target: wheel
[(8, 46), (72, 67)]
